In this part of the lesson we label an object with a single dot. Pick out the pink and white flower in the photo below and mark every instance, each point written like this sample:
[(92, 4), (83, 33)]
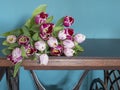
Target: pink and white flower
[(68, 44), (46, 30), (23, 40), (11, 39), (16, 55), (68, 21), (69, 52), (40, 45), (44, 59), (79, 38), (67, 33), (41, 18), (52, 42), (57, 51)]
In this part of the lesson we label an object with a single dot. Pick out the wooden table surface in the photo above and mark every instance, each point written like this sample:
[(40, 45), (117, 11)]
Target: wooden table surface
[(98, 54)]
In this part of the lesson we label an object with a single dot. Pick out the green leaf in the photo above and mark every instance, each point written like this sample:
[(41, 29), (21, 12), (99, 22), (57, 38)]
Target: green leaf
[(6, 34), (23, 52), (58, 28), (5, 43), (6, 51), (35, 28), (49, 19), (26, 31), (15, 32), (60, 22), (41, 8), (35, 37), (16, 69), (12, 46), (28, 23), (78, 49)]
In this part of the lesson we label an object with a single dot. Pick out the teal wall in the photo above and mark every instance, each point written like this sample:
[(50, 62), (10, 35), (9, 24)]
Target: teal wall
[(94, 18)]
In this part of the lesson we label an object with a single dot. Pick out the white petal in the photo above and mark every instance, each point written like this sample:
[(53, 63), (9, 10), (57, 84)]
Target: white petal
[(44, 59)]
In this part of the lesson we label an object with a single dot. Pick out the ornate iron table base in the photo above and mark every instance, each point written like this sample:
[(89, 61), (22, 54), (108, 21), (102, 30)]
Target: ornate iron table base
[(111, 79)]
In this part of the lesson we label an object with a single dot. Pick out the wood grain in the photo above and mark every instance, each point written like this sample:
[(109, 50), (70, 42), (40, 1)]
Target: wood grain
[(72, 63)]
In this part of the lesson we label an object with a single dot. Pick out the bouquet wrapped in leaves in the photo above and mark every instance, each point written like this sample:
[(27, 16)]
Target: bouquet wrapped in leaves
[(39, 38)]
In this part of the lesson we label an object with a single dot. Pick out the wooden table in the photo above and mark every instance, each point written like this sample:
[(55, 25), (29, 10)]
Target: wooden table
[(99, 54)]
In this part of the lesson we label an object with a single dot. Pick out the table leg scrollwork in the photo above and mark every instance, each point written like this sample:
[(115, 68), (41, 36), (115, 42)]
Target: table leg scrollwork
[(37, 82), (77, 87)]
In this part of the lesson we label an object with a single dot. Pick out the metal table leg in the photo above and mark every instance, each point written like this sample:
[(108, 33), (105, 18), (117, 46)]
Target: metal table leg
[(77, 87), (2, 71), (13, 82), (37, 82)]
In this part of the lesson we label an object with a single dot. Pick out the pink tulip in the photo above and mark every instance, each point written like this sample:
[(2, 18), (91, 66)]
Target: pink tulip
[(30, 50), (16, 55), (41, 18), (44, 59), (69, 31), (69, 52), (46, 30), (79, 38), (57, 51), (40, 45), (68, 21), (23, 40), (68, 44), (52, 42), (45, 36), (11, 39)]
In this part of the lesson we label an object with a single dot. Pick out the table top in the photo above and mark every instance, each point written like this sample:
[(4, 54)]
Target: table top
[(98, 54)]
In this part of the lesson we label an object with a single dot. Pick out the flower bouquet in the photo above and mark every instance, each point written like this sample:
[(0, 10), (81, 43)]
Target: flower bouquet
[(39, 38)]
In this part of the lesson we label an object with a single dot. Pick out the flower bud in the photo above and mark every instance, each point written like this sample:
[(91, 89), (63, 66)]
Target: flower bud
[(11, 39), (68, 44), (40, 45), (69, 52), (44, 59), (52, 42), (68, 21), (79, 38)]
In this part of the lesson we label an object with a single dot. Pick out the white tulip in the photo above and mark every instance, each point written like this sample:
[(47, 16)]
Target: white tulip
[(40, 45), (79, 38), (68, 44), (69, 52), (11, 39), (52, 42), (44, 59), (62, 35)]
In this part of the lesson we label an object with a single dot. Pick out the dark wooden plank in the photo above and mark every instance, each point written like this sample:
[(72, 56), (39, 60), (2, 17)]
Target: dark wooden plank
[(64, 63)]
